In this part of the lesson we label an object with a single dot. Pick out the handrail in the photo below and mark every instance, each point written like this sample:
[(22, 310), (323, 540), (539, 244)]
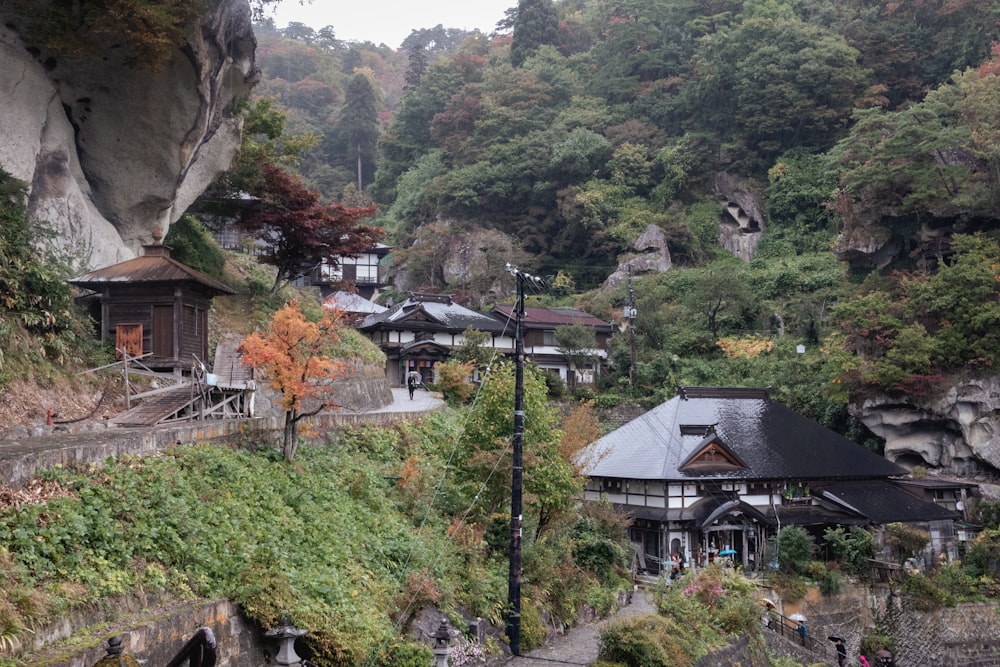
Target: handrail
[(786, 627)]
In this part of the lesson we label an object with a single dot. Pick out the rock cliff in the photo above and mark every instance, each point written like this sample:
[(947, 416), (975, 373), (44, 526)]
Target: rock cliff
[(956, 431), (112, 151)]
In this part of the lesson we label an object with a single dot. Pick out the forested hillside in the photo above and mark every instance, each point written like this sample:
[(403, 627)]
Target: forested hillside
[(867, 132)]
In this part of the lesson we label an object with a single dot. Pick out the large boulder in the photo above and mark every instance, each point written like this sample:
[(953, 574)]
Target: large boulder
[(112, 150), (650, 254)]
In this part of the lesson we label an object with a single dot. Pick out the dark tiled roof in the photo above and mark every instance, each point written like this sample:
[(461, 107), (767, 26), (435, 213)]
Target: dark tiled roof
[(547, 318), (814, 515), (148, 269), (883, 502), (773, 441), (431, 314)]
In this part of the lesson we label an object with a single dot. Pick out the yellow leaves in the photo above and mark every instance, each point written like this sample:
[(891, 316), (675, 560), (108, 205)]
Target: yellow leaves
[(745, 348)]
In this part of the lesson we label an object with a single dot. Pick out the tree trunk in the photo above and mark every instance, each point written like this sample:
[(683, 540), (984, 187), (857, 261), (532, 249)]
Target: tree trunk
[(291, 435)]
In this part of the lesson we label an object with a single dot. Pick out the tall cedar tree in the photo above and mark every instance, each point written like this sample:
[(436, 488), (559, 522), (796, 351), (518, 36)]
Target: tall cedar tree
[(292, 354), (358, 129), (535, 25), (298, 232)]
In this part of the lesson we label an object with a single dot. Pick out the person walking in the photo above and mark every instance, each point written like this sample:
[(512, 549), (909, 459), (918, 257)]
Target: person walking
[(803, 631), (841, 653), (412, 382)]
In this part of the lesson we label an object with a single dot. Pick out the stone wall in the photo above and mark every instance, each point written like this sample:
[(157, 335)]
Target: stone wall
[(966, 635), (154, 630)]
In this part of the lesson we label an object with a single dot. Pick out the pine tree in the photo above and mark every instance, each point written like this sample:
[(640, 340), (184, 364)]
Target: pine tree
[(535, 25)]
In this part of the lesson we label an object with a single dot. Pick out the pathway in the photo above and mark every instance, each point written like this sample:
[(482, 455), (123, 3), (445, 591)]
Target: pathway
[(580, 645)]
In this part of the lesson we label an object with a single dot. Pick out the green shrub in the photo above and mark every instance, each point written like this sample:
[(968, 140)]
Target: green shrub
[(924, 593), (831, 583), (407, 654), (192, 245), (793, 547), (532, 629)]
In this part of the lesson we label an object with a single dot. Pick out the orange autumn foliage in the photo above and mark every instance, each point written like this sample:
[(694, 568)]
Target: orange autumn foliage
[(290, 353)]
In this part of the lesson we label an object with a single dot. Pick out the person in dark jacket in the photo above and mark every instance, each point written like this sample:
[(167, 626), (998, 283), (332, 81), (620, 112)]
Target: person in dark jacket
[(841, 653), (412, 382)]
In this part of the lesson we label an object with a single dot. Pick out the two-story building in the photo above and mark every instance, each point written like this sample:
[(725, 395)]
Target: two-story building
[(366, 272), (542, 348), (422, 331), (720, 470)]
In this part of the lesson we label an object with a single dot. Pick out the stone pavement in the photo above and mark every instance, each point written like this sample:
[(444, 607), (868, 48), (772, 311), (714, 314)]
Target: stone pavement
[(580, 645), (423, 401)]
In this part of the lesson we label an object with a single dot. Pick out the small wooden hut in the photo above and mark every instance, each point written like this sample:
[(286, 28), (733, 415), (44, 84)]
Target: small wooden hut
[(153, 307)]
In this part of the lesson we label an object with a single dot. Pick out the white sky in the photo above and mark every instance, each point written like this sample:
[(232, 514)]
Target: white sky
[(390, 21)]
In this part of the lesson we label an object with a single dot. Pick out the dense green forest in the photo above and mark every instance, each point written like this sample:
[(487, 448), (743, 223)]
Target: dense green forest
[(577, 124)]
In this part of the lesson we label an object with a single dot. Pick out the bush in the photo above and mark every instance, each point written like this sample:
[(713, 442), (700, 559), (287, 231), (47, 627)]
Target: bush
[(789, 586), (793, 547), (648, 641), (924, 594), (453, 382), (831, 583), (192, 245), (532, 629)]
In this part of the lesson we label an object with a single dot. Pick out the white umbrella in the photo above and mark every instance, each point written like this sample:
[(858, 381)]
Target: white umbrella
[(797, 617)]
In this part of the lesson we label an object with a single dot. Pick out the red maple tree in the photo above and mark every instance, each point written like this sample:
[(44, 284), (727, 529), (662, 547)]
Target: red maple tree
[(297, 232)]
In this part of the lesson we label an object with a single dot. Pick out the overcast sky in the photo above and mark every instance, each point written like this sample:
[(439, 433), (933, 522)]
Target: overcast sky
[(390, 21)]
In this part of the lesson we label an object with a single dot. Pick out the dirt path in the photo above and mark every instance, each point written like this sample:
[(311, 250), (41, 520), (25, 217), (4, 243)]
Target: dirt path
[(580, 646)]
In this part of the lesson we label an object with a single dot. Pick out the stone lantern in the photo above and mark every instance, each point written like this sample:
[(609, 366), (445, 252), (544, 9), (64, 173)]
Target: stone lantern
[(286, 633), (114, 658), (442, 644)]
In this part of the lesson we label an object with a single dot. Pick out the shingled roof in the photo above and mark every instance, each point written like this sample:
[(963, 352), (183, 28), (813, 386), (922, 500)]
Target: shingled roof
[(431, 312), (154, 267), (769, 440)]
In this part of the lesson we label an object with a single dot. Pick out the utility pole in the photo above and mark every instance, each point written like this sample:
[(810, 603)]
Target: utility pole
[(514, 578), (630, 315)]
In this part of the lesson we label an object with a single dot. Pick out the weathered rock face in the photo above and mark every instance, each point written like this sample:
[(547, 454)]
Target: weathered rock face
[(112, 152), (653, 255), (957, 431), (742, 217)]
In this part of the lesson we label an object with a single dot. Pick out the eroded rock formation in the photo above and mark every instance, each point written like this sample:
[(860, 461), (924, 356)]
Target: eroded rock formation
[(957, 431), (742, 216), (650, 254), (112, 151)]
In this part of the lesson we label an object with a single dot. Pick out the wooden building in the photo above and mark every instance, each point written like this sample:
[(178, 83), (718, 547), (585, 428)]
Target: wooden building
[(717, 471), (542, 348), (153, 307), (423, 330)]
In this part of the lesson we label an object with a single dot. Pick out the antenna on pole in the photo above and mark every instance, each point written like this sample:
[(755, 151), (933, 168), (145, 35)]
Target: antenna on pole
[(514, 578)]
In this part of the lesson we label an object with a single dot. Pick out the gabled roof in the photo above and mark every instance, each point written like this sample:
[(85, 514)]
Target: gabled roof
[(772, 441), (548, 318), (431, 312), (711, 454), (154, 267)]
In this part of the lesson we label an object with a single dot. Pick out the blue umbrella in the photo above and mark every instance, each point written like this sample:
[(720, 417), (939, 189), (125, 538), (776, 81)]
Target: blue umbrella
[(727, 552)]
